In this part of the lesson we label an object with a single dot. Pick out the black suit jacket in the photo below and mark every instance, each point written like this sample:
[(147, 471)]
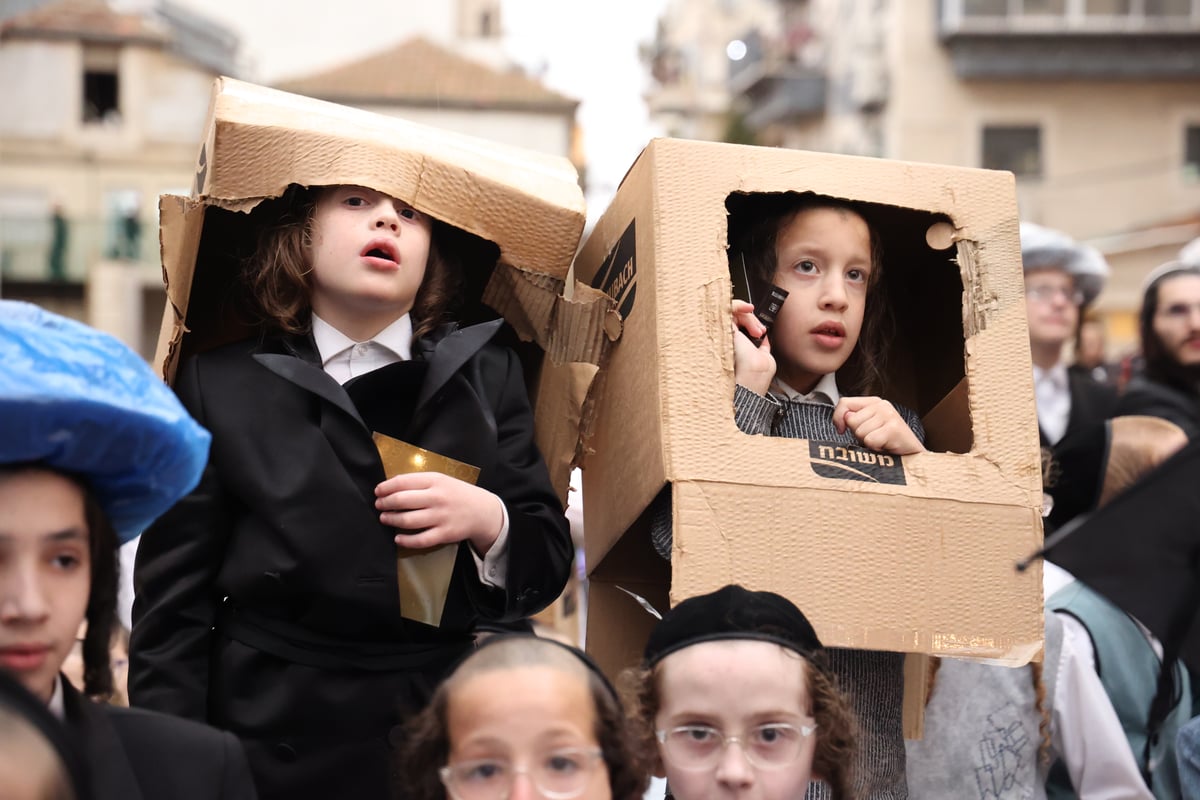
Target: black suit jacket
[(1156, 399), (1091, 403), (139, 755), (267, 600)]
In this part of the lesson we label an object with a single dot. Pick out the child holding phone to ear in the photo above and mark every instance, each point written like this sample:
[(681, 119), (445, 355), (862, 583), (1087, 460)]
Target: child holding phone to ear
[(812, 377), (826, 256)]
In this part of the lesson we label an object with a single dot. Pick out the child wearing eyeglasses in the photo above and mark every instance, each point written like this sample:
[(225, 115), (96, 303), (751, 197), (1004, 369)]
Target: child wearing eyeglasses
[(522, 717), (733, 697)]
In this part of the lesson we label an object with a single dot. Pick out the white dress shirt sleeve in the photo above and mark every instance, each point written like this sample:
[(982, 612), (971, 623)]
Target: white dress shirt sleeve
[(1086, 731), (493, 568)]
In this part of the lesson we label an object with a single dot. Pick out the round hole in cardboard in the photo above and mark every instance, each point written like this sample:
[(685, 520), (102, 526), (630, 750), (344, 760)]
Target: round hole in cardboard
[(940, 236)]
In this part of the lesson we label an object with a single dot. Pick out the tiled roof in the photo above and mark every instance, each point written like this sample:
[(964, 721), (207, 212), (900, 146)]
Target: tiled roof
[(88, 20), (419, 72)]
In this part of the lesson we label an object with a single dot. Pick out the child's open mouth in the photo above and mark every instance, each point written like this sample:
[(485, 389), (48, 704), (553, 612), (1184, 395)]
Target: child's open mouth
[(383, 252), (829, 334)]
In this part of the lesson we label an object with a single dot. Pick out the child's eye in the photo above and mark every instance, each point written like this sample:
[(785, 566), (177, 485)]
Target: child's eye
[(698, 734), (857, 275), (408, 213), (481, 771), (773, 735), (65, 561), (806, 266), (563, 763), (355, 201)]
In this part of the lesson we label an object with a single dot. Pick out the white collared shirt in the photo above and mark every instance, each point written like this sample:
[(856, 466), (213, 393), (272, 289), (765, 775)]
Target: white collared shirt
[(56, 699), (343, 358), (825, 392), (1053, 396)]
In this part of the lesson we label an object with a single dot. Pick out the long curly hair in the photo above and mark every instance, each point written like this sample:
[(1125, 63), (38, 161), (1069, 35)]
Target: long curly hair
[(104, 575), (755, 242), (836, 725), (425, 746), (278, 275)]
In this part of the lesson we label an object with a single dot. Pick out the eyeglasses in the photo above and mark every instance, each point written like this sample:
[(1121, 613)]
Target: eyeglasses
[(700, 747), (558, 775), (1044, 294)]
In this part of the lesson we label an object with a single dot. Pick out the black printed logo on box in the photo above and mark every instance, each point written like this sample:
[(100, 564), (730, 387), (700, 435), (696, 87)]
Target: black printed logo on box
[(201, 170), (617, 276), (834, 460)]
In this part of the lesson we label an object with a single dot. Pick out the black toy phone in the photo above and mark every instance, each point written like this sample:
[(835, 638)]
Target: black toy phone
[(767, 298)]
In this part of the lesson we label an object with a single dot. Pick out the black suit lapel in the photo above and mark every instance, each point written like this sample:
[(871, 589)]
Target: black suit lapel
[(111, 773), (447, 354), (310, 378)]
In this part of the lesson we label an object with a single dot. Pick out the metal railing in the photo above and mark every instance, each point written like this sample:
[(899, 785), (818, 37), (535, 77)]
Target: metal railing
[(42, 249)]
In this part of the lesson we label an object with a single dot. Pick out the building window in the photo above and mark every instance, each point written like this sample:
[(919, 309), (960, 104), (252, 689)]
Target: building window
[(1035, 8), (1191, 151), (1107, 8), (101, 87), (984, 8), (1017, 149), (1169, 8)]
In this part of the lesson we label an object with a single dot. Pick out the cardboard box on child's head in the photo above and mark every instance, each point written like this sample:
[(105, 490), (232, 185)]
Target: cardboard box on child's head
[(516, 207), (905, 553)]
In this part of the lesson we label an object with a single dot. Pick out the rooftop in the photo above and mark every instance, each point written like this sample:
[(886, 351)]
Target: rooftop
[(420, 73)]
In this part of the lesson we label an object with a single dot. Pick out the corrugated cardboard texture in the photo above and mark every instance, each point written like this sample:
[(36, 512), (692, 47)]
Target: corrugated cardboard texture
[(926, 566), (260, 140)]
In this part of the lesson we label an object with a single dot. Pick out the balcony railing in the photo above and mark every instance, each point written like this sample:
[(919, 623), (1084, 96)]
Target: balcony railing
[(1072, 39), (32, 252), (774, 82), (1019, 17)]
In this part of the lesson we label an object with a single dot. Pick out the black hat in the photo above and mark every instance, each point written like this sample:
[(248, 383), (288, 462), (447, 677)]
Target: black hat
[(732, 612)]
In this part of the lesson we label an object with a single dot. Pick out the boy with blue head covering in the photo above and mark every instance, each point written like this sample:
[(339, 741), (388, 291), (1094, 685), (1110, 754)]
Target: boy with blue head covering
[(93, 447)]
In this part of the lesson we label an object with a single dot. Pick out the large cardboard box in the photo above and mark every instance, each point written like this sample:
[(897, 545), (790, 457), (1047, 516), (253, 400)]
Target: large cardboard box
[(526, 207), (913, 554)]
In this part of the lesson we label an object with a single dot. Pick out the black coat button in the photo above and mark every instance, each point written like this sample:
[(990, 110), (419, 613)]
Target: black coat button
[(285, 752)]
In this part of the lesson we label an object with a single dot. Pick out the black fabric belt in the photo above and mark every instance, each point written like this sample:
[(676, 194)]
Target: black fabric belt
[(300, 645)]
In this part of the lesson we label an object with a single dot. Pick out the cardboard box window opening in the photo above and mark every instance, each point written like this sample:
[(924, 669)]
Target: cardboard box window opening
[(918, 299), (923, 566)]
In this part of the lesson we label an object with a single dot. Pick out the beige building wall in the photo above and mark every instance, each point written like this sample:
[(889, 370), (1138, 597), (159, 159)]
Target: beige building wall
[(96, 172), (545, 132)]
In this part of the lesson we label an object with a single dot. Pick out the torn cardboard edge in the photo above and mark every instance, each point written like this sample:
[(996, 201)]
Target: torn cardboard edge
[(580, 329), (576, 335), (259, 141)]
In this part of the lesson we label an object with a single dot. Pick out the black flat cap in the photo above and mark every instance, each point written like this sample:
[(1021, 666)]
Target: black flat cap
[(732, 612)]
